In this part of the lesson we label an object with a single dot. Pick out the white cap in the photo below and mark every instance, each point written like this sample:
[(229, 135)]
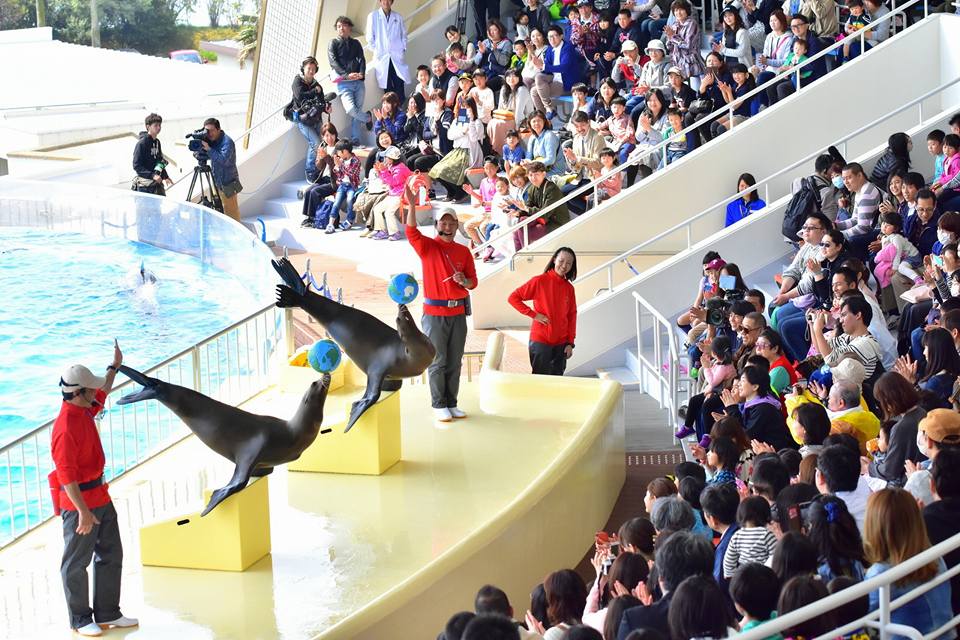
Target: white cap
[(393, 153), (849, 370), (79, 377), (444, 211), (656, 44), (628, 45)]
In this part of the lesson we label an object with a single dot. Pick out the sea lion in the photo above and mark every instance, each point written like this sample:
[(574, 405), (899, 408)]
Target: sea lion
[(384, 354), (256, 444)]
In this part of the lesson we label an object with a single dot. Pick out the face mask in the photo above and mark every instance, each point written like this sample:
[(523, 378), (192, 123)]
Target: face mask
[(922, 443), (945, 237), (838, 182)]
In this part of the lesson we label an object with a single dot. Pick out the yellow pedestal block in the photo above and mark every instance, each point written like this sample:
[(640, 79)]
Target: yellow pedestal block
[(371, 447), (230, 538)]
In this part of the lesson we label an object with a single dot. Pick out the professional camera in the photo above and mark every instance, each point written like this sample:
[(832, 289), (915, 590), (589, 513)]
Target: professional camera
[(195, 144), (717, 311), (312, 109)]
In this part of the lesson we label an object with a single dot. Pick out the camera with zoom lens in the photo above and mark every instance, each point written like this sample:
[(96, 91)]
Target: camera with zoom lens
[(717, 311), (195, 144)]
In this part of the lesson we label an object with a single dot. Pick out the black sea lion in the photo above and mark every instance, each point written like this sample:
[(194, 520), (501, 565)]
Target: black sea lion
[(384, 354), (256, 444)]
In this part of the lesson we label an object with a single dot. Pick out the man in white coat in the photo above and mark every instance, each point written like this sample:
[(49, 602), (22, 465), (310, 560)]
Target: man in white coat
[(387, 35)]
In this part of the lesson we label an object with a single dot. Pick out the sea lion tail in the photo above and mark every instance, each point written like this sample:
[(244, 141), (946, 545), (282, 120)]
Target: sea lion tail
[(149, 384), (288, 273)]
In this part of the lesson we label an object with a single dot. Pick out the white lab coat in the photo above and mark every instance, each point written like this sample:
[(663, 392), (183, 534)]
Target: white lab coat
[(388, 39)]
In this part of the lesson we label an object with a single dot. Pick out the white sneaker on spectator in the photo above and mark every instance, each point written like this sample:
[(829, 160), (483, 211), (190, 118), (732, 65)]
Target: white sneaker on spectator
[(90, 630), (456, 413), (442, 415), (122, 622)]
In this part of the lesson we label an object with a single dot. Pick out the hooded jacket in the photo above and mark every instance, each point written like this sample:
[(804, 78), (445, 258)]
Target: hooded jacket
[(146, 154), (763, 420)]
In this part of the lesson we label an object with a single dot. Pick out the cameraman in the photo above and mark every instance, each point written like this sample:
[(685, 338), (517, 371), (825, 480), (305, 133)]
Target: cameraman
[(223, 161), (148, 160), (305, 109)]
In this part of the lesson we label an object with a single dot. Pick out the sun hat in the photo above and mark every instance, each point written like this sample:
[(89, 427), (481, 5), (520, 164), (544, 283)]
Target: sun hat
[(655, 44)]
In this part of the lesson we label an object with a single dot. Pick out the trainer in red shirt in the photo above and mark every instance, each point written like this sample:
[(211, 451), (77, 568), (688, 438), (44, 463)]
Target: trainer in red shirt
[(83, 502), (448, 275), (554, 313)]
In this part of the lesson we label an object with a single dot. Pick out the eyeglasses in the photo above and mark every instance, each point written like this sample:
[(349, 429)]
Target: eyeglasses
[(797, 25), (809, 228), (745, 330), (763, 345), (925, 209)]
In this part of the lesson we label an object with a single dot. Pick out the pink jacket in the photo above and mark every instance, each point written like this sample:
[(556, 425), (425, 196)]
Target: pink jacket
[(395, 177), (718, 374), (951, 166)]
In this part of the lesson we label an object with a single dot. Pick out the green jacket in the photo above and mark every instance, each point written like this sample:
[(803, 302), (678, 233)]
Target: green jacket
[(541, 197)]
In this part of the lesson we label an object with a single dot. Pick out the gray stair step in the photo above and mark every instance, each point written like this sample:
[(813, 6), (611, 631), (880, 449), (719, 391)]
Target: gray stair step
[(623, 375)]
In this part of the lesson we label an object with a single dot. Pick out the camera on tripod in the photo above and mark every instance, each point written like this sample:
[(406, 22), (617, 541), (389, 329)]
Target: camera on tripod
[(195, 144)]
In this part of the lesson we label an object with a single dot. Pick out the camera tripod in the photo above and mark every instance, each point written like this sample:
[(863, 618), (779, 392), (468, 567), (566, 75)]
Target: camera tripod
[(209, 196)]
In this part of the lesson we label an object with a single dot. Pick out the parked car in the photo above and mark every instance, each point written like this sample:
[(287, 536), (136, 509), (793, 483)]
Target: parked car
[(187, 55)]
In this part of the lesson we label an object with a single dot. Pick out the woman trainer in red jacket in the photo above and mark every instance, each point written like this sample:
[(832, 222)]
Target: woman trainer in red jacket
[(554, 313)]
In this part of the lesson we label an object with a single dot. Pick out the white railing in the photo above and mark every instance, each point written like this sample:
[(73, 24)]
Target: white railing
[(880, 619), (764, 184), (231, 366), (664, 373), (726, 110)]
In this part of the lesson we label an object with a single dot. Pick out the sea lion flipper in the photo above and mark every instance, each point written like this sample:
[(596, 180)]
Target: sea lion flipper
[(241, 475), (149, 385), (370, 397), (289, 274)]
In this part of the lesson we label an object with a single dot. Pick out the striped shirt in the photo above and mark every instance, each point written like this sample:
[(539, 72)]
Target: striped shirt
[(865, 347), (748, 544), (864, 213)]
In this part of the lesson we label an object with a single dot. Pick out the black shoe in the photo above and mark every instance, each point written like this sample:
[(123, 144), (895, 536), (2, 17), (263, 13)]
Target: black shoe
[(308, 223)]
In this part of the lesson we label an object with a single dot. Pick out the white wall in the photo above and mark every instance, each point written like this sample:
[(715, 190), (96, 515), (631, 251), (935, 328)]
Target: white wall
[(831, 108)]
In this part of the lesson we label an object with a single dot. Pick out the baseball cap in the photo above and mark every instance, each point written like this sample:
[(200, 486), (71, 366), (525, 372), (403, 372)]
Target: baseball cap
[(729, 9), (716, 263), (628, 45), (392, 152), (849, 370), (656, 44), (445, 211), (675, 70), (942, 425), (78, 377)]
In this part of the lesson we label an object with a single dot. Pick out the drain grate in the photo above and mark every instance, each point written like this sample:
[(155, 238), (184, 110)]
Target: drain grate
[(654, 458)]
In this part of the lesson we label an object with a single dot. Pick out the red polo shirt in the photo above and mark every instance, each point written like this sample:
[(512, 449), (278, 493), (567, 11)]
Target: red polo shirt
[(440, 259), (78, 453)]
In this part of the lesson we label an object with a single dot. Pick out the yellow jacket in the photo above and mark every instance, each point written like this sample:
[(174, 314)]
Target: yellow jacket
[(862, 425)]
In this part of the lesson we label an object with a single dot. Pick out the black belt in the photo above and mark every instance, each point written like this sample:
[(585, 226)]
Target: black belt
[(450, 304), (92, 484)]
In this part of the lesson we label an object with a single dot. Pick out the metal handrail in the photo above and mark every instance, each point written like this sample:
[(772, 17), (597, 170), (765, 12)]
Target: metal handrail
[(765, 182), (668, 396), (880, 618), (251, 361), (97, 103), (727, 109)]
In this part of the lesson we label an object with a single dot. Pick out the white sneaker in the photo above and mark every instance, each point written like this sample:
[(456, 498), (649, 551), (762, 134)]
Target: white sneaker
[(442, 415), (456, 413), (122, 622), (91, 630)]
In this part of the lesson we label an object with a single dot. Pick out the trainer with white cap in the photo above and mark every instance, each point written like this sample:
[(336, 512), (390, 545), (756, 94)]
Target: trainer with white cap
[(81, 498), (448, 275)]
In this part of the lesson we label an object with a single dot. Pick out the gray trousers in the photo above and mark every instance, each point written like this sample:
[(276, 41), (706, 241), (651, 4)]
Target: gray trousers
[(102, 545), (448, 335)]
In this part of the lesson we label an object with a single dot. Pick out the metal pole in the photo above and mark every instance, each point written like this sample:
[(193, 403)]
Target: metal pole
[(288, 321), (884, 611)]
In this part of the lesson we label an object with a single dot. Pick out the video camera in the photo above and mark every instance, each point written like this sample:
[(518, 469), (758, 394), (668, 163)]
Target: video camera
[(718, 308), (195, 144)]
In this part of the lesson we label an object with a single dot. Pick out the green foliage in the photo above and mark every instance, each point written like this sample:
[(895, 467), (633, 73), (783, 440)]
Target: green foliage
[(209, 34), (17, 14), (209, 56), (247, 37)]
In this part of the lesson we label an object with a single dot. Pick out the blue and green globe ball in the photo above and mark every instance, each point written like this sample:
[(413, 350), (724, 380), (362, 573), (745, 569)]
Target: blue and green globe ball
[(403, 288), (324, 356)]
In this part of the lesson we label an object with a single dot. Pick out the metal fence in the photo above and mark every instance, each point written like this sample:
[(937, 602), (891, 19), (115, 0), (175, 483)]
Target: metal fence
[(231, 366)]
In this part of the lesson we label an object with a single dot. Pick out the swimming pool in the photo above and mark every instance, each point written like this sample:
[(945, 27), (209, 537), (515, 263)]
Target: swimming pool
[(68, 295)]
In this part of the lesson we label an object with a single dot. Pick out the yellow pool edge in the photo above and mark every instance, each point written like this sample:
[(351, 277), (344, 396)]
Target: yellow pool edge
[(548, 526)]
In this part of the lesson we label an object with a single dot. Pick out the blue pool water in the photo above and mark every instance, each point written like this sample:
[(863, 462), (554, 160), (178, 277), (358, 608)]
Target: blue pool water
[(66, 296)]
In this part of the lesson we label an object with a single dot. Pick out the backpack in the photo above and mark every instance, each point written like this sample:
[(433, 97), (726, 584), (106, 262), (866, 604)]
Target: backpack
[(322, 215), (805, 201)]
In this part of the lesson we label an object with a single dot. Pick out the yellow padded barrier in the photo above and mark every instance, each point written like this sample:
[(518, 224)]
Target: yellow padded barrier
[(230, 538)]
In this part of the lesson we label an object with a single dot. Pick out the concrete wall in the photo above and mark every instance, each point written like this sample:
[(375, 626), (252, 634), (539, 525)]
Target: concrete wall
[(778, 137)]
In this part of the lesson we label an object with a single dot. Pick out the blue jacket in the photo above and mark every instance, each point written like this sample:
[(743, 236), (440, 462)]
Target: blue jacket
[(738, 210), (223, 160), (570, 67), (925, 613), (718, 557)]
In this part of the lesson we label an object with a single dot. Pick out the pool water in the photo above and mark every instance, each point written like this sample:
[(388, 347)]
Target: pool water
[(66, 296)]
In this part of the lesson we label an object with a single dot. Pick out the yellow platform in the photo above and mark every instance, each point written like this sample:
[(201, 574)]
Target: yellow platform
[(373, 444), (232, 537), (515, 491)]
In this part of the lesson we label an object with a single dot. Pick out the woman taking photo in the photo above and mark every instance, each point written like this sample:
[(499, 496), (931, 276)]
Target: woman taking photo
[(900, 403), (554, 313), (306, 92)]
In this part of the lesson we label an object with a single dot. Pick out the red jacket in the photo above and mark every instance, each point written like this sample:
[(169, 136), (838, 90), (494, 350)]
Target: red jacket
[(77, 452), (440, 259), (554, 297)]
